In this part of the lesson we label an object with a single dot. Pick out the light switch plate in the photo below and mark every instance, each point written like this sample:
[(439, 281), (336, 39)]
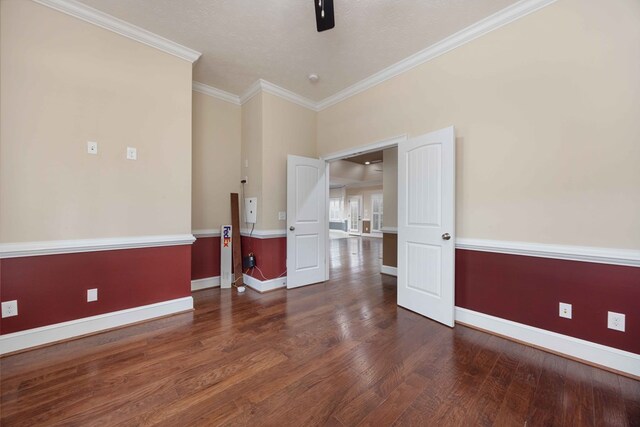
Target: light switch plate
[(132, 153), (9, 308), (282, 216), (92, 295), (92, 147), (565, 310)]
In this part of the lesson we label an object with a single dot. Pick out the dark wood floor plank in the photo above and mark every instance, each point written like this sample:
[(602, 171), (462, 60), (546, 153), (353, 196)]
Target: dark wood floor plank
[(339, 353)]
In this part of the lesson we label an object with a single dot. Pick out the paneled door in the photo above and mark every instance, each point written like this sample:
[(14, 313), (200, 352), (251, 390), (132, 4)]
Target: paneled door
[(306, 221), (426, 225), (354, 215)]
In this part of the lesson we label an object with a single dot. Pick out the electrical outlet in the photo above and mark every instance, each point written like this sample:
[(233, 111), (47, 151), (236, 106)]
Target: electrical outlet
[(132, 153), (565, 310), (615, 321), (92, 295), (92, 147), (9, 308)]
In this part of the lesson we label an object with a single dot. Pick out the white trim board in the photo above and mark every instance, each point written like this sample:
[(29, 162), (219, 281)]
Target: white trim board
[(265, 285), (89, 325), (625, 257), (389, 230), (206, 233), (462, 37), (215, 92), (268, 87), (94, 16), (205, 283), (54, 247), (580, 349), (263, 234), (388, 270)]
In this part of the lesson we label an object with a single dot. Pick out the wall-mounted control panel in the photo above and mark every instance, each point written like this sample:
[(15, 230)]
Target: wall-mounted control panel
[(251, 209)]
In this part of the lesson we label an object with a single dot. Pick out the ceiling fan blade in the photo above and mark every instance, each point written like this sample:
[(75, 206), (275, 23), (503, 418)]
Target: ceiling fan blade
[(327, 22)]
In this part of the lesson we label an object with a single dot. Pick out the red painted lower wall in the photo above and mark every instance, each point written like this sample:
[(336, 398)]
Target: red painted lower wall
[(271, 256), (53, 288), (528, 289), (205, 257)]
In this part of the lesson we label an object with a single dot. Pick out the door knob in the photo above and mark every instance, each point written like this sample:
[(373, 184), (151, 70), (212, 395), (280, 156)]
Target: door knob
[(292, 228), (446, 236)]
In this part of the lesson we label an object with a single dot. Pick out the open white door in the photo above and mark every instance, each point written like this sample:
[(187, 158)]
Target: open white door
[(426, 221), (307, 222)]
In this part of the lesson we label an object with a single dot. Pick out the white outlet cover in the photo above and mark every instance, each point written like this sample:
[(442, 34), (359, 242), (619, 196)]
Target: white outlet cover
[(565, 310), (132, 153), (92, 295), (92, 147), (9, 308), (615, 321)]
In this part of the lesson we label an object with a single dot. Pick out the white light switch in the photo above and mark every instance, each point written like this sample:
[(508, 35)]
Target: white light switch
[(132, 153), (92, 147), (92, 295), (282, 216)]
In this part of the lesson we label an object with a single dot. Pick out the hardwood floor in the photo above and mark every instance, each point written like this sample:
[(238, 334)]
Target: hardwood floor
[(339, 353)]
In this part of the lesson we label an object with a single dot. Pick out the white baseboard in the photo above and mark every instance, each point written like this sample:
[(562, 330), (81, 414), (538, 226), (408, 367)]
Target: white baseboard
[(610, 357), (266, 285), (206, 283), (88, 325), (391, 271)]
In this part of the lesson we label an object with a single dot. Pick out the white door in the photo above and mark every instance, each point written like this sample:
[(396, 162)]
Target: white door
[(354, 215), (307, 194), (426, 220), (376, 213)]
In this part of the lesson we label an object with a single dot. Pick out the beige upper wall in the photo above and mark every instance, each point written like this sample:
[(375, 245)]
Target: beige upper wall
[(287, 129), (546, 114), (390, 187), (65, 82), (216, 157), (251, 151)]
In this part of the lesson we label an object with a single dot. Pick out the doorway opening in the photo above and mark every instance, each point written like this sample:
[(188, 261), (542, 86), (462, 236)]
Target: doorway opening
[(425, 218)]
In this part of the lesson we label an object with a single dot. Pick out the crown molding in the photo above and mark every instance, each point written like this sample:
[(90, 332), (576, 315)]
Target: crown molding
[(627, 257), (252, 91), (480, 28), (118, 26), (268, 87), (215, 92), (288, 95), (56, 247)]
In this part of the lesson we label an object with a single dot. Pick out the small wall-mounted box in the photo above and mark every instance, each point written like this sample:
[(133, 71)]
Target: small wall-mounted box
[(251, 209)]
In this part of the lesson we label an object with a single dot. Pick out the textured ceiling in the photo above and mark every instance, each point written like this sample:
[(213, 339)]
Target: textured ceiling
[(244, 40)]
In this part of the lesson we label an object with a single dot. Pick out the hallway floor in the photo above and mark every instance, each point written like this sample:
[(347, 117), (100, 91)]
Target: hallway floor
[(338, 353)]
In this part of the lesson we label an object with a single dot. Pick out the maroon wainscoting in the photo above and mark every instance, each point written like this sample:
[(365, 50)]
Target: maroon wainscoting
[(53, 288), (271, 256), (527, 290), (205, 257)]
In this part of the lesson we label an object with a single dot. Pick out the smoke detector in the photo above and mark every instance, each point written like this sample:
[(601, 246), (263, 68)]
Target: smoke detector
[(313, 78)]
